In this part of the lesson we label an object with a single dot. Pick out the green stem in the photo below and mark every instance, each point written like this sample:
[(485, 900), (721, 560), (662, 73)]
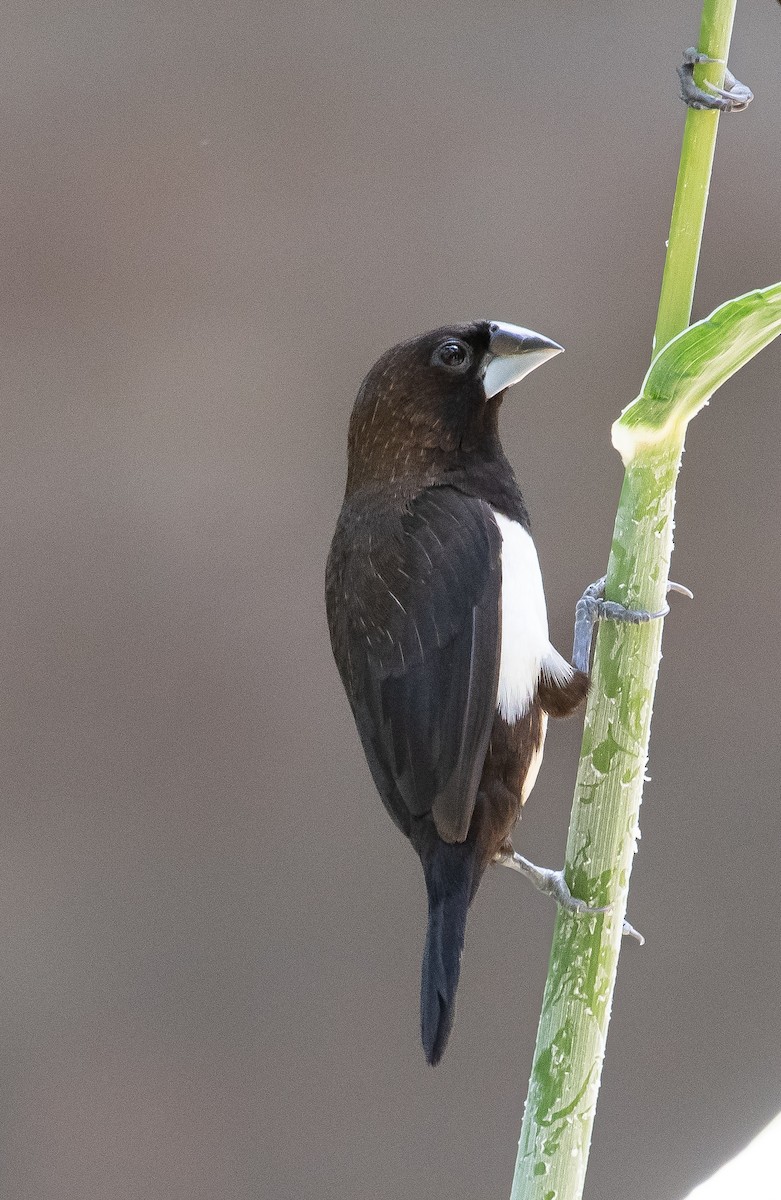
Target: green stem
[(556, 1131), (559, 1114), (694, 172)]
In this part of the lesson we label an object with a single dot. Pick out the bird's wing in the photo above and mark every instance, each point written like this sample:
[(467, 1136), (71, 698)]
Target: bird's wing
[(425, 662)]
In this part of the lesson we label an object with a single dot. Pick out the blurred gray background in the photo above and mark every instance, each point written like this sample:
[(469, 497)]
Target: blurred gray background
[(215, 218)]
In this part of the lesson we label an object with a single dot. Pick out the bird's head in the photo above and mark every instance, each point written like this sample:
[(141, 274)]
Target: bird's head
[(429, 401)]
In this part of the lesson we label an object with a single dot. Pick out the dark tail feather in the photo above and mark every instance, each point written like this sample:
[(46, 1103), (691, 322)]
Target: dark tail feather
[(449, 872)]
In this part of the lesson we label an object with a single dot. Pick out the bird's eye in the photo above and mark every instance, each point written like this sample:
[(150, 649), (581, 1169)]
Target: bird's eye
[(454, 355)]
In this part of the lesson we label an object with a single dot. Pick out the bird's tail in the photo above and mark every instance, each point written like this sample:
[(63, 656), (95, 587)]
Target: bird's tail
[(450, 877)]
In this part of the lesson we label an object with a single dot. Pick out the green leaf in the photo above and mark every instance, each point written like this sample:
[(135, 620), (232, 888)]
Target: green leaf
[(685, 374)]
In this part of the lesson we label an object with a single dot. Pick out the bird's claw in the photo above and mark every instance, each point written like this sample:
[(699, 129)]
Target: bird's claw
[(630, 931), (552, 883), (733, 97), (593, 607), (556, 885), (680, 589)]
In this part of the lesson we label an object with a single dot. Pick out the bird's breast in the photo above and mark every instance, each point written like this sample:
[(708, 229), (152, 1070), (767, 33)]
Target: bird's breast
[(525, 643)]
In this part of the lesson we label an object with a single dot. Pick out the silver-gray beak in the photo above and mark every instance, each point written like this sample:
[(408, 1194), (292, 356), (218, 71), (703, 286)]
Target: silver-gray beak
[(512, 353)]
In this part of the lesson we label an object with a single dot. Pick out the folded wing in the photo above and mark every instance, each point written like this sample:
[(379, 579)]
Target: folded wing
[(417, 638)]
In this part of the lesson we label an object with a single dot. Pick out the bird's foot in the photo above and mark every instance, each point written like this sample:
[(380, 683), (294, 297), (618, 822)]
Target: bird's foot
[(733, 97), (593, 607), (553, 883)]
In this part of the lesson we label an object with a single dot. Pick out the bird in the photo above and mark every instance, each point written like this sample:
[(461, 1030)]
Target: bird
[(438, 622)]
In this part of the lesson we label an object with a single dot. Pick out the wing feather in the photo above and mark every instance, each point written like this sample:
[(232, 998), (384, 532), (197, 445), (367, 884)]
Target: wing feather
[(424, 637)]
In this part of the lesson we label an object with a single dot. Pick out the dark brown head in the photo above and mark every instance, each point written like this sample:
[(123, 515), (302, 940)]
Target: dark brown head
[(430, 403)]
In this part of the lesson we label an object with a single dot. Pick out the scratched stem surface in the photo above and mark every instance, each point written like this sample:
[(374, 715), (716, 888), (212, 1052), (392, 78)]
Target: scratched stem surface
[(573, 1027), (560, 1107)]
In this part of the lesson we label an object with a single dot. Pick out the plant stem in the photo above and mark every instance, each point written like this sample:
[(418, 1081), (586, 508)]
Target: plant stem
[(694, 172), (559, 1114)]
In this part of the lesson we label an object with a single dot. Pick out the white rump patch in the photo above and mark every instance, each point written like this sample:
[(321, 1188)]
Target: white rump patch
[(525, 646)]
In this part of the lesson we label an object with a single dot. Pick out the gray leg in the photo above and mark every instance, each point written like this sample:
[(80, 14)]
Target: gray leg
[(592, 607), (734, 97), (553, 883)]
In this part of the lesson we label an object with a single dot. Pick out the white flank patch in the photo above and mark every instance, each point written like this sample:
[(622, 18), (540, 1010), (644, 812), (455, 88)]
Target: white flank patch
[(525, 648), (535, 764)]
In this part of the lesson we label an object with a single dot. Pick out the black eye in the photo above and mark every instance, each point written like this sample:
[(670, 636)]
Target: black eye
[(454, 355)]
